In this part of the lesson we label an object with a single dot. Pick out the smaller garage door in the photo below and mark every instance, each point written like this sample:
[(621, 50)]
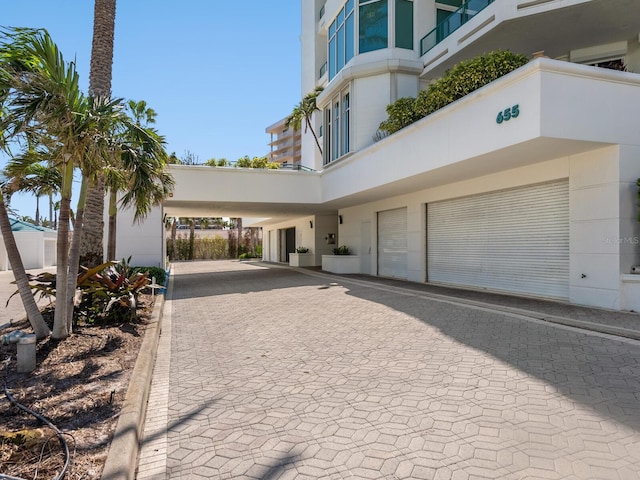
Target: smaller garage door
[(392, 243), (514, 240)]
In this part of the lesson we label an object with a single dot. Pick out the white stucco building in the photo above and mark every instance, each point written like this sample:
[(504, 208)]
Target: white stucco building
[(36, 244), (543, 204)]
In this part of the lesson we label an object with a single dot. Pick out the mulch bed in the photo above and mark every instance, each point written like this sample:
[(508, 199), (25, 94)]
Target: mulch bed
[(79, 385)]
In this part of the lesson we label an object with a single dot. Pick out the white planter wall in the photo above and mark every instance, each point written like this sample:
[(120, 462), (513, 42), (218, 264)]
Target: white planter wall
[(341, 264)]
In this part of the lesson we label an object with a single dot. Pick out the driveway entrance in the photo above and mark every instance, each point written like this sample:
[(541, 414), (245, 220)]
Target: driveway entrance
[(271, 373)]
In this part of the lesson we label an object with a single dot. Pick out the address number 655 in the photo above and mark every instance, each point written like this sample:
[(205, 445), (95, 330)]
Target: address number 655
[(507, 114)]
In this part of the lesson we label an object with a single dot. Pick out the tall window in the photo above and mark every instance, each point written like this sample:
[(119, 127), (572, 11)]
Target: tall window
[(344, 135), (374, 29), (341, 39), (404, 24), (337, 125)]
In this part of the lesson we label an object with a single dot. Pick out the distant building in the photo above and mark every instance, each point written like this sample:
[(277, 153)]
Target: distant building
[(36, 244), (285, 143)]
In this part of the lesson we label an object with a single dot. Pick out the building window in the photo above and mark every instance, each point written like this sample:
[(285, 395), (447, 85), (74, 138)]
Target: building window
[(337, 125), (404, 24), (327, 137), (344, 136), (373, 25), (444, 10), (341, 39)]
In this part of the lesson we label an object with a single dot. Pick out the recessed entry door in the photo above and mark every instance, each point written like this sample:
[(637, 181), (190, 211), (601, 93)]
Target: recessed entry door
[(392, 243)]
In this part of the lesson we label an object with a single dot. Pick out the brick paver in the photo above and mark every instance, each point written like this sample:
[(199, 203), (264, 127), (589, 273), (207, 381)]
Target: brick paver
[(276, 374)]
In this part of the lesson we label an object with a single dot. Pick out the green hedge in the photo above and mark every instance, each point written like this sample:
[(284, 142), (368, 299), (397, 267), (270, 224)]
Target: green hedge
[(462, 79)]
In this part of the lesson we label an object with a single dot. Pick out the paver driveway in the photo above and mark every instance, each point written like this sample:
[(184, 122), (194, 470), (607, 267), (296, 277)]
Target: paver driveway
[(276, 374)]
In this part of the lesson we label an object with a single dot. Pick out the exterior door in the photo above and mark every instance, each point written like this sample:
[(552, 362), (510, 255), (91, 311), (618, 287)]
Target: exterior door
[(287, 243), (392, 243)]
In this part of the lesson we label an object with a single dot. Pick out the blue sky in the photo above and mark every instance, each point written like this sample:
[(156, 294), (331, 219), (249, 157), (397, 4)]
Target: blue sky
[(217, 73)]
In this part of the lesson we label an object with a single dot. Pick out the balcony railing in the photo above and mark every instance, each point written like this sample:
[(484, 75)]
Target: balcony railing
[(323, 70), (462, 15)]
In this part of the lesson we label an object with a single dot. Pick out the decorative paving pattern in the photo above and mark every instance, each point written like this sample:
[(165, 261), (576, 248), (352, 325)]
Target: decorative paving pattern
[(277, 375)]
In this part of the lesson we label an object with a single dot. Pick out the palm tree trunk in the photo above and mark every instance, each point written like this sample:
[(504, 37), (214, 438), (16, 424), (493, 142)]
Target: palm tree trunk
[(192, 238), (239, 226), (60, 330), (113, 217), (174, 227), (104, 17), (91, 244), (314, 135), (38, 324), (37, 219), (51, 210), (74, 254)]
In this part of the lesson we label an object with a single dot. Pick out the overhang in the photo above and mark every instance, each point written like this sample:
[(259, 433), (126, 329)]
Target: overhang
[(563, 109)]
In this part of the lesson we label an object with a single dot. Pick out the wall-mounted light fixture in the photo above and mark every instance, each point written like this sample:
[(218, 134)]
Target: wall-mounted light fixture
[(340, 219), (310, 223)]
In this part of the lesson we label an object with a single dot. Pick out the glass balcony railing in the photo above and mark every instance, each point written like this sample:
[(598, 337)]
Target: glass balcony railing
[(323, 70), (462, 15)]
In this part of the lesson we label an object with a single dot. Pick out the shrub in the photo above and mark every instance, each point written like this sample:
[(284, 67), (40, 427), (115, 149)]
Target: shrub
[(109, 292), (302, 250), (462, 79), (152, 272), (342, 250)]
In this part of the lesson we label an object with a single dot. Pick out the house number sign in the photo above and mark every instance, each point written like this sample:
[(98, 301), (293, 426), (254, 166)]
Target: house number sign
[(507, 114)]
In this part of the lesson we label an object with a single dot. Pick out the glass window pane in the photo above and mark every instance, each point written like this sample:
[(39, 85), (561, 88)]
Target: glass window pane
[(349, 38), (332, 58), (404, 24), (373, 31), (340, 48), (349, 7), (345, 124), (340, 19), (332, 29)]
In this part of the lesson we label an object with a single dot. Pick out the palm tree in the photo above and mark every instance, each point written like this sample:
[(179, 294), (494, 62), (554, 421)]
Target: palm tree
[(38, 324), (304, 112), (44, 106), (30, 172), (141, 113), (140, 172), (104, 17)]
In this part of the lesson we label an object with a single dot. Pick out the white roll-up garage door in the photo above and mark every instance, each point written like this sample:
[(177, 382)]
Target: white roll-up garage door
[(513, 240), (392, 243)]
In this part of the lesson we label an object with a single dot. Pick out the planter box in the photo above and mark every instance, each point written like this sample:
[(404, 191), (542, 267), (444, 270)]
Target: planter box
[(341, 263), (302, 260)]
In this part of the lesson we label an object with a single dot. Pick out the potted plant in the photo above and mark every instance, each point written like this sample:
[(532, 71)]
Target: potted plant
[(342, 261), (302, 258)]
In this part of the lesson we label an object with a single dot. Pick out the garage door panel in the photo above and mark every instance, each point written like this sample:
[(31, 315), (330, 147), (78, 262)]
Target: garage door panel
[(515, 240)]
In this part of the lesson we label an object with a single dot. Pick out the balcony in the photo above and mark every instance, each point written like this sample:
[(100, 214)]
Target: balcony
[(526, 26), (462, 15)]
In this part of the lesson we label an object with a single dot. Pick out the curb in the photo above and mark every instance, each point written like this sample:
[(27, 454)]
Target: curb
[(123, 451)]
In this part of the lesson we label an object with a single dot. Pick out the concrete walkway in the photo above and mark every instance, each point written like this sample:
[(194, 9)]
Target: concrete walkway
[(273, 373)]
